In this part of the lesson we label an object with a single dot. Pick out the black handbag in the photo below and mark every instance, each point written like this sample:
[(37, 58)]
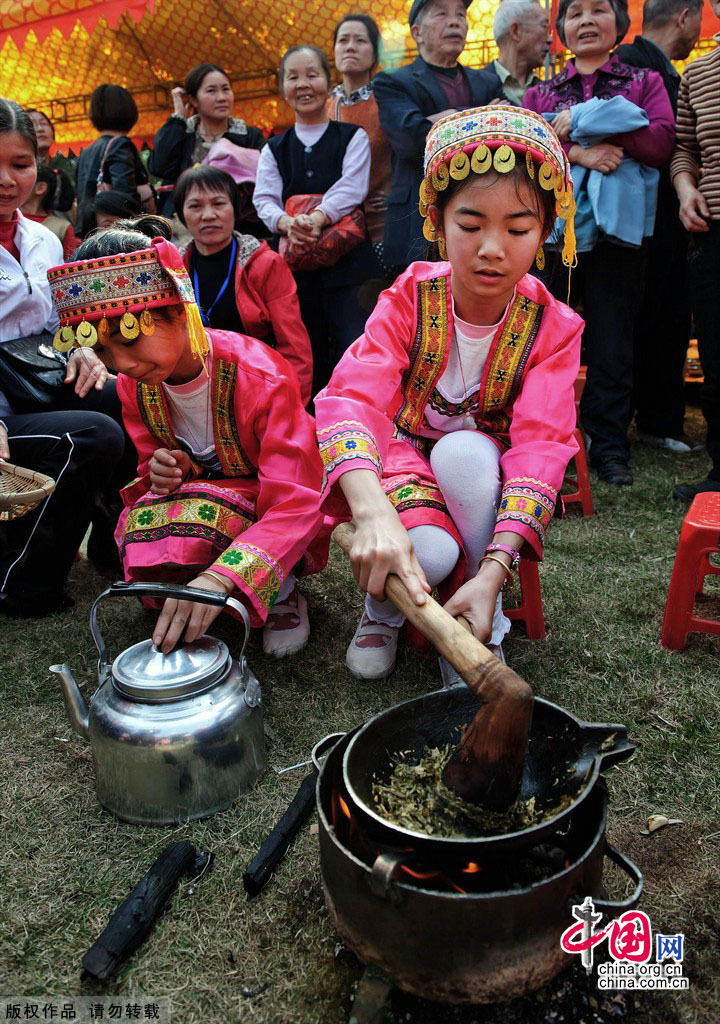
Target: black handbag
[(32, 373)]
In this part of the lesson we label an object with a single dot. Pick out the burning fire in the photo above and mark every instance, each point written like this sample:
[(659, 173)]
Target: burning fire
[(471, 868), (425, 876), (422, 876), (344, 807)]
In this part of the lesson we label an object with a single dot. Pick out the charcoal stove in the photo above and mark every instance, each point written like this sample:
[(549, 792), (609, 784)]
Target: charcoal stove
[(469, 928)]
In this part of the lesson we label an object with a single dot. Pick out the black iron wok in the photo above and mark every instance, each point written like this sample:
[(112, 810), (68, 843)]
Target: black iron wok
[(564, 758)]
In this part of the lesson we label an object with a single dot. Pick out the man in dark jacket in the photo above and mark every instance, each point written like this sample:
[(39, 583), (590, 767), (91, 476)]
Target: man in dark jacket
[(670, 30), (411, 99)]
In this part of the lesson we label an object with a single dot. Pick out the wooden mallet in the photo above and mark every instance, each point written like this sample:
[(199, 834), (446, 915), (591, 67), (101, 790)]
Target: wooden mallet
[(487, 766)]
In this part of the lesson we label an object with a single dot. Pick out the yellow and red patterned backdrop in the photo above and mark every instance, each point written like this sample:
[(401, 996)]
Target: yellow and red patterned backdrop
[(53, 53)]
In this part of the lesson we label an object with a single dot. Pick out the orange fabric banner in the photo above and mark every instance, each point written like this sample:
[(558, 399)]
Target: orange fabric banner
[(22, 16)]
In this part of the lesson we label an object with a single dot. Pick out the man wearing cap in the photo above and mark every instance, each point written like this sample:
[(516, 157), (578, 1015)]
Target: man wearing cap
[(411, 99)]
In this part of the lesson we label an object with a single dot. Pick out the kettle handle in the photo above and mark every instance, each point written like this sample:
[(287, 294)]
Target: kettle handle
[(161, 590)]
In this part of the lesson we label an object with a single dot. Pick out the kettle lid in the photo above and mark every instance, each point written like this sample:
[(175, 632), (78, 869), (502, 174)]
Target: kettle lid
[(144, 673)]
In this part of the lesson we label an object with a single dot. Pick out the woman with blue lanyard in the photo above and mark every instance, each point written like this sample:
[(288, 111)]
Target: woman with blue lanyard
[(241, 284)]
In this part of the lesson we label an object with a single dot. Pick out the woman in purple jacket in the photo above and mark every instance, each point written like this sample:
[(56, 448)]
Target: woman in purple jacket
[(608, 279)]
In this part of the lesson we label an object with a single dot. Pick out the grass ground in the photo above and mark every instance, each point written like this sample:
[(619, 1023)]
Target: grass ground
[(65, 863)]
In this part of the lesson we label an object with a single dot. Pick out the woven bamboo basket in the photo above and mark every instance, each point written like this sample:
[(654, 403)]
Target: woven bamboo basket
[(21, 490)]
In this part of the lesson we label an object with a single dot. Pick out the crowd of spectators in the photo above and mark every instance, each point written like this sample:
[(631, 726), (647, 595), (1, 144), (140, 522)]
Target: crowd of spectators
[(291, 239)]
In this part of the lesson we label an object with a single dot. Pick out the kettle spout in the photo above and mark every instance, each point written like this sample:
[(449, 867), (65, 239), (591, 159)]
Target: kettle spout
[(75, 704)]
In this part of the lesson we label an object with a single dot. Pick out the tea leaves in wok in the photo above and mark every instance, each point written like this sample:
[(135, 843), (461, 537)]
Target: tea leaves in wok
[(414, 797)]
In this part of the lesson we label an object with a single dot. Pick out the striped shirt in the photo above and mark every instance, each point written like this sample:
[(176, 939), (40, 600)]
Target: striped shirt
[(698, 127)]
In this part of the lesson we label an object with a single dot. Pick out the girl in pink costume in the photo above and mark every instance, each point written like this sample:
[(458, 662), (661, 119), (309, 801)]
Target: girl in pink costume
[(447, 427), (228, 496)]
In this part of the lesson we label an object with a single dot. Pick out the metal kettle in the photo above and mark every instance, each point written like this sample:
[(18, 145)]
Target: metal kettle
[(173, 736)]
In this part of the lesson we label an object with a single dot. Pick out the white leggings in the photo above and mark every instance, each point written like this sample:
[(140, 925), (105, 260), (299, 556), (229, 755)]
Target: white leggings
[(466, 466)]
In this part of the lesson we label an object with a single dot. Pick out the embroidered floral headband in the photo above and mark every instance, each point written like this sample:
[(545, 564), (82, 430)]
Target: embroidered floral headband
[(491, 139), (87, 292)]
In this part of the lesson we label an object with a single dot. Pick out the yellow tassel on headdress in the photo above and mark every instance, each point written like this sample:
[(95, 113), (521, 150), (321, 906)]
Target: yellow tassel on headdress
[(565, 207), (569, 250), (529, 164), (199, 345)]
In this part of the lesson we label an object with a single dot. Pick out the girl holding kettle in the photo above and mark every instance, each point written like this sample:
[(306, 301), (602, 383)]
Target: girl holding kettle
[(228, 494)]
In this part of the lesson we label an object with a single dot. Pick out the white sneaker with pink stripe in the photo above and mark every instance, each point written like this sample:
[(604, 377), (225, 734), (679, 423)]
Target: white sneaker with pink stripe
[(372, 651)]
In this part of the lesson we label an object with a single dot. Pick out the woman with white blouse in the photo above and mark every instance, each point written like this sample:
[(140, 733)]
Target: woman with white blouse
[(327, 158), (75, 437)]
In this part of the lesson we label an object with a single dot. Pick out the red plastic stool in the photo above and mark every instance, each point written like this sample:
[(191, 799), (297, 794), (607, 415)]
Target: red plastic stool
[(414, 638), (581, 481), (579, 386), (699, 538), (530, 609)]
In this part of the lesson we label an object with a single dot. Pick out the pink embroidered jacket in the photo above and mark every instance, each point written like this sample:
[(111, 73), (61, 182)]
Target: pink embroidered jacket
[(383, 383), (265, 439)]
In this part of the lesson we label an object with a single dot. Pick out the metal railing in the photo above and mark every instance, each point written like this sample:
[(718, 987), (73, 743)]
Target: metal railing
[(263, 83)]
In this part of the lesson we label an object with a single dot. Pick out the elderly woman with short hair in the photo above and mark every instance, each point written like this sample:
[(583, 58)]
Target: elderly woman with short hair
[(610, 272)]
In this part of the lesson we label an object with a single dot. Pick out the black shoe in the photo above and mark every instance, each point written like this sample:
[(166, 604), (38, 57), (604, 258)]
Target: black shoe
[(614, 471), (106, 560), (38, 608), (686, 492), (103, 552)]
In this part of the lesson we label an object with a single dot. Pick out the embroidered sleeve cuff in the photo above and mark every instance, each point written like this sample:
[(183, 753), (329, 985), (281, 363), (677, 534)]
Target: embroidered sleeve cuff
[(256, 573), (526, 508), (347, 445)]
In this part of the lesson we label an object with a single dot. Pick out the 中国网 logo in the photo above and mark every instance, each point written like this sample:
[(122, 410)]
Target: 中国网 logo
[(630, 944)]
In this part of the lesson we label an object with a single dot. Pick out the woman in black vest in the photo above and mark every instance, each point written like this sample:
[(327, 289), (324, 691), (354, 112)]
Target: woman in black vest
[(331, 159)]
